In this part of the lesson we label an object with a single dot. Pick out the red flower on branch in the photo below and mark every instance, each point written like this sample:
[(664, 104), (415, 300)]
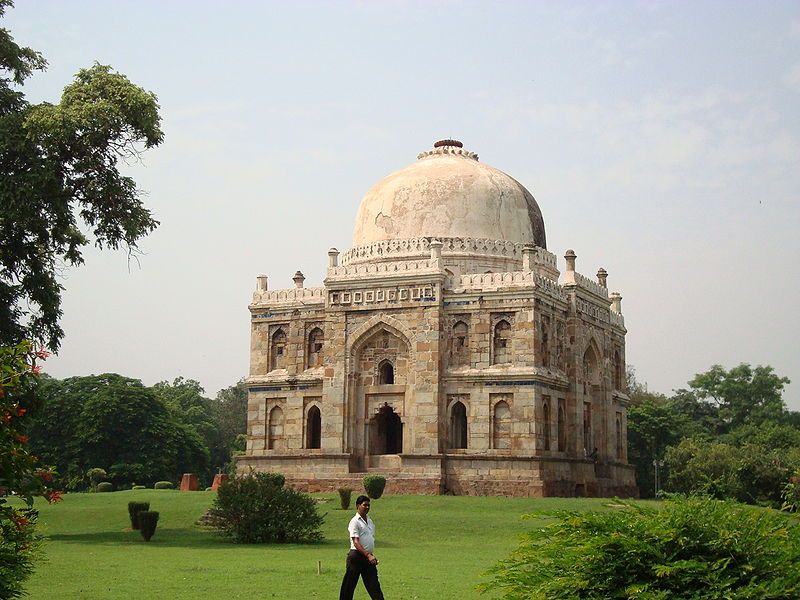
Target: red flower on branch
[(43, 354), (21, 411), (54, 496), (22, 438), (36, 369)]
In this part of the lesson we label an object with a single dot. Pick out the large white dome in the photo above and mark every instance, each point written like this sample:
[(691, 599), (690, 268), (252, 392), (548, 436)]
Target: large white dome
[(447, 193)]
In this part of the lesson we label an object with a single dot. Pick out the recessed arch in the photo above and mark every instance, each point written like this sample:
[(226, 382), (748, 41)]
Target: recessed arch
[(315, 345), (385, 372), (275, 436), (458, 425), (501, 426), (313, 427), (278, 349)]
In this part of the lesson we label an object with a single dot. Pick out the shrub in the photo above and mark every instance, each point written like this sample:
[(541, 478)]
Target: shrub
[(163, 485), (345, 494), (256, 508), (374, 485), (694, 548), (134, 508), (139, 487), (105, 486), (96, 475), (148, 520), (791, 493)]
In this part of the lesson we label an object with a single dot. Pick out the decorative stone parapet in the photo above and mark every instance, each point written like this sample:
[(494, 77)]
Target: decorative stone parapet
[(387, 250), (495, 281), (315, 295), (417, 267), (616, 319), (591, 286)]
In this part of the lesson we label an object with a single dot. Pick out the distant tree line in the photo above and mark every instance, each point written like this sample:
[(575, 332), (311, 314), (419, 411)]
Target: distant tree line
[(135, 433), (728, 435)]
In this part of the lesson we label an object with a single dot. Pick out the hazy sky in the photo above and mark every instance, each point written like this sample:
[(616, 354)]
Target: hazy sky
[(661, 141)]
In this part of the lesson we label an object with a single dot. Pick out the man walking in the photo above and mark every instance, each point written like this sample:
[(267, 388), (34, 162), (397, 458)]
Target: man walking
[(361, 562)]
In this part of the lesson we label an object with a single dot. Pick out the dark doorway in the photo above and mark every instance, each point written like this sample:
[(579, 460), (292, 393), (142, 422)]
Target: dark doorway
[(386, 373), (313, 428), (386, 432)]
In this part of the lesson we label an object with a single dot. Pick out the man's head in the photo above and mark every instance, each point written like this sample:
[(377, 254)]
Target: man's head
[(362, 505)]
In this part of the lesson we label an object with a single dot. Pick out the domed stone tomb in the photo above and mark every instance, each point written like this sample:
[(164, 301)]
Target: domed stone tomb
[(444, 349)]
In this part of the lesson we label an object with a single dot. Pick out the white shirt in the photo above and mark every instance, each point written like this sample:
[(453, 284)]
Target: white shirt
[(364, 531)]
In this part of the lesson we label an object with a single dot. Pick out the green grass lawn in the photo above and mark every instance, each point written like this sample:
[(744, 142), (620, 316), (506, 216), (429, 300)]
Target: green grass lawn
[(430, 547)]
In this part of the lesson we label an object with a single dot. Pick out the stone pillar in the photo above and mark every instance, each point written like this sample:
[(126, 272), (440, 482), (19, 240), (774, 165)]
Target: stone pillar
[(436, 250), (333, 258), (616, 302), (569, 274), (261, 283), (189, 482), (218, 479), (602, 277), (298, 279), (528, 254)]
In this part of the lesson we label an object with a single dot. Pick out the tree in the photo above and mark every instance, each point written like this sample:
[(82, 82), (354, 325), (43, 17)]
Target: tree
[(230, 412), (114, 423), (185, 400), (743, 395), (58, 173)]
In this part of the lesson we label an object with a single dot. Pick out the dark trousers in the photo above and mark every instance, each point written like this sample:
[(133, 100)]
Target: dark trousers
[(358, 566)]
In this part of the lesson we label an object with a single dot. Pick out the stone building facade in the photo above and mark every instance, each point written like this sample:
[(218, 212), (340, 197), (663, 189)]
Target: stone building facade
[(444, 350)]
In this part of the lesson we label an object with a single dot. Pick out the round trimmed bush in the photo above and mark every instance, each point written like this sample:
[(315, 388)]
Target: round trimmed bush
[(105, 486), (374, 485), (139, 487), (163, 485)]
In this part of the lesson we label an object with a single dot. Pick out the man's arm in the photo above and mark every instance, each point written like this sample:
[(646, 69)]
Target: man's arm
[(368, 555)]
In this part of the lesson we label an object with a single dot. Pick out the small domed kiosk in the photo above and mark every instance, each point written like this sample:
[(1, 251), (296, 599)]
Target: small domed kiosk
[(444, 349)]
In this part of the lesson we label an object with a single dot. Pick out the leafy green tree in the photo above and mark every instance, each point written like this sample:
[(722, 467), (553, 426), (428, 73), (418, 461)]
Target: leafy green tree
[(230, 412), (59, 173), (185, 400), (117, 424), (744, 394)]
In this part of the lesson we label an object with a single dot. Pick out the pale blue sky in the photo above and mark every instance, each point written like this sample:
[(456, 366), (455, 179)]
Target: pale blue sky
[(661, 140)]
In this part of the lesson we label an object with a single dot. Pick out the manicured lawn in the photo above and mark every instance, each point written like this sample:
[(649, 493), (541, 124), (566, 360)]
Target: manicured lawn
[(430, 547)]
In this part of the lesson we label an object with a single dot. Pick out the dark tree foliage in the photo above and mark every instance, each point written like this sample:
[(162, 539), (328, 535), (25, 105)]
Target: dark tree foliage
[(230, 412), (114, 423), (60, 186)]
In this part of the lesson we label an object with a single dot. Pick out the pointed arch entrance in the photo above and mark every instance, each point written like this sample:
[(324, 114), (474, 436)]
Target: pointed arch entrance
[(386, 432), (378, 380)]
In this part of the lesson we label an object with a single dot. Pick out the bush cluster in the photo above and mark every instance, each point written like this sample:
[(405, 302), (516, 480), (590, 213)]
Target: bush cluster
[(163, 485), (134, 508), (105, 486), (694, 548), (256, 508), (374, 485)]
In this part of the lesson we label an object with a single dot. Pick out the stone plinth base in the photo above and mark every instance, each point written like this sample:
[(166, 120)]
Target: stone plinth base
[(218, 479), (461, 474), (189, 482)]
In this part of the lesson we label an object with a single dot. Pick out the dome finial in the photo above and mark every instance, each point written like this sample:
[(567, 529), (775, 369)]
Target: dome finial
[(442, 143)]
